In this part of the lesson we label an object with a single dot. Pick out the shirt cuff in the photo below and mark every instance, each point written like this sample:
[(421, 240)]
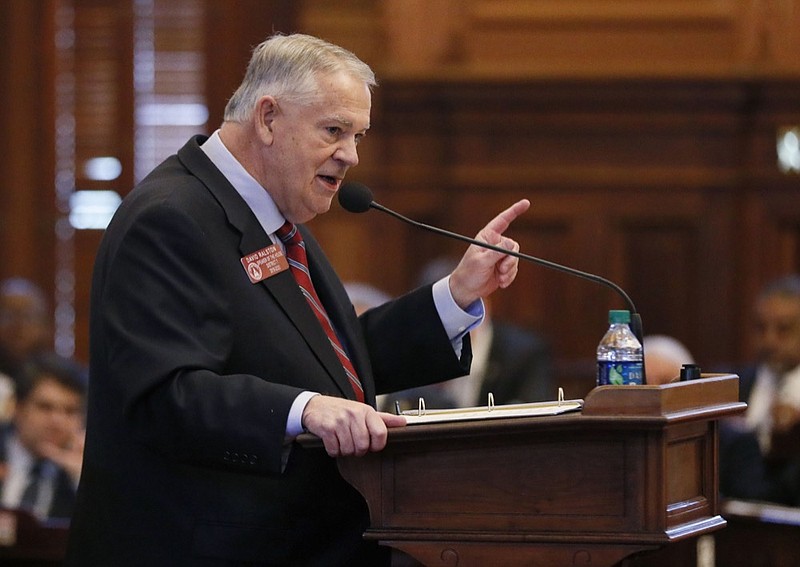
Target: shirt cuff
[(294, 423), (457, 322)]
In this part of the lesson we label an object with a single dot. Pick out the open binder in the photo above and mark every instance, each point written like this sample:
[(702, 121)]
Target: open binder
[(491, 411)]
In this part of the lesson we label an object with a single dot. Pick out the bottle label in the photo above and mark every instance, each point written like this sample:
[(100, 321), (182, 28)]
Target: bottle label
[(618, 373)]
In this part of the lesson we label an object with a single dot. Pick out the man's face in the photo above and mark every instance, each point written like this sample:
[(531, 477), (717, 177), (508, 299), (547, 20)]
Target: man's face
[(777, 332), (50, 414), (315, 144)]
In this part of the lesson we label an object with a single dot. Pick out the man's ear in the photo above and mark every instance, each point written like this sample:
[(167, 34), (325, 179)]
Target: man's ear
[(264, 116)]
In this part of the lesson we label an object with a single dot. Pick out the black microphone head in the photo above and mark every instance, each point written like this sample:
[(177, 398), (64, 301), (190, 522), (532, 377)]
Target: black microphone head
[(355, 197)]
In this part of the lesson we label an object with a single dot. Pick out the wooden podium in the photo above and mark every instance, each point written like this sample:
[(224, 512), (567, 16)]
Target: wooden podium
[(636, 469), (27, 542)]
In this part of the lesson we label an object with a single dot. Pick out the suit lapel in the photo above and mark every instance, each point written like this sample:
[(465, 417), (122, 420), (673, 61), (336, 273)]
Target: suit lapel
[(282, 286)]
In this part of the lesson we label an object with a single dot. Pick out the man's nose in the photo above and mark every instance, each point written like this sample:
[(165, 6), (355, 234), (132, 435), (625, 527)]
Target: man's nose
[(347, 153)]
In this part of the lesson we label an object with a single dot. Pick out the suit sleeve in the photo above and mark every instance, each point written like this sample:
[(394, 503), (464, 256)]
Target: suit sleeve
[(408, 344)]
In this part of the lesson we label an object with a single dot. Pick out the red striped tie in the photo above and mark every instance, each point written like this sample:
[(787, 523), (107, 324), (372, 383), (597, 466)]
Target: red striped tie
[(298, 262)]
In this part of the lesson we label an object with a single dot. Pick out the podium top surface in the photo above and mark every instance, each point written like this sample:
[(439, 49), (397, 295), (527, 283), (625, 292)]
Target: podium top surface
[(711, 397), (713, 393)]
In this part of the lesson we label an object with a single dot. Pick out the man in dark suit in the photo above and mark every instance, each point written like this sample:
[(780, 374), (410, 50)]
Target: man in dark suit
[(771, 387), (207, 357), (41, 452), (765, 443)]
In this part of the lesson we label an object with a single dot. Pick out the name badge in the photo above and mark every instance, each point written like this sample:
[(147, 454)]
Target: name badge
[(264, 263)]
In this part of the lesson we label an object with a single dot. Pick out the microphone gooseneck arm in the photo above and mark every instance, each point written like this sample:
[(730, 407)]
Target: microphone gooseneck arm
[(540, 261), (357, 198)]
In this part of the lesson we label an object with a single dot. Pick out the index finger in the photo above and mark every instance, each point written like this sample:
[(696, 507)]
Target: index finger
[(501, 222)]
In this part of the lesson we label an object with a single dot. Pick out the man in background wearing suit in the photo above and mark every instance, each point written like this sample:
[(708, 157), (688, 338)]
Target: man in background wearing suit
[(41, 453), (511, 363), (25, 330), (766, 441), (208, 358), (771, 387)]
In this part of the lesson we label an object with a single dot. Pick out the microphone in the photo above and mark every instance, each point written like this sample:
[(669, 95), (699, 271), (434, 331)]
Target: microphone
[(357, 198)]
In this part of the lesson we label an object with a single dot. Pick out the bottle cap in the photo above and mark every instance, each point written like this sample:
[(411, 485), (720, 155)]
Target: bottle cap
[(619, 316), (690, 372)]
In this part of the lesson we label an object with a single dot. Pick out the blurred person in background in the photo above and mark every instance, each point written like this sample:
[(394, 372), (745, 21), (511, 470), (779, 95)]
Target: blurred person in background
[(663, 358), (25, 330), (365, 296), (771, 386), (42, 450), (25, 327), (511, 363), (760, 452)]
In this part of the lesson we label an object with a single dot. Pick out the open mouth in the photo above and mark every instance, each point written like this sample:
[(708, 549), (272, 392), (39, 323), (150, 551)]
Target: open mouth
[(329, 180)]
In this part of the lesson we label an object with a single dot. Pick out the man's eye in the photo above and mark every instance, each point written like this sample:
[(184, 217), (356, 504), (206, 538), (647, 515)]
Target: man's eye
[(333, 130)]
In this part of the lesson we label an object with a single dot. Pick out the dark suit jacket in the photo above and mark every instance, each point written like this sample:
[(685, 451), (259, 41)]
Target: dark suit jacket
[(519, 367), (193, 371), (747, 379), (744, 471)]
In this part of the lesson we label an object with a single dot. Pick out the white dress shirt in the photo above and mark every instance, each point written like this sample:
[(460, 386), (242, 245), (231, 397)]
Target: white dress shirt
[(767, 390), (19, 463)]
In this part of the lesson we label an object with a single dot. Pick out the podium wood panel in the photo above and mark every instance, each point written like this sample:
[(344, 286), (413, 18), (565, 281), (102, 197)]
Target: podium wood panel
[(27, 542), (635, 470)]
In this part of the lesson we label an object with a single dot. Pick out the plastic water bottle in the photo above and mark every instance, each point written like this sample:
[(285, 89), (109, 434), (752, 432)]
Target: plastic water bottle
[(619, 354)]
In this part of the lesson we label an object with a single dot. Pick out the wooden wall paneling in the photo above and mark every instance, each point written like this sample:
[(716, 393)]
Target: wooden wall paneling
[(769, 199), (637, 181), (367, 248), (235, 27), (507, 38), (420, 34), (773, 106), (675, 256), (770, 249), (782, 35), (102, 56), (356, 25), (780, 229), (717, 286), (655, 256), (27, 206), (104, 89), (590, 38), (536, 134), (530, 99), (411, 129)]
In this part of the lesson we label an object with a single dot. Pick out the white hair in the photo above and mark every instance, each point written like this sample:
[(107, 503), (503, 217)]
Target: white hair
[(668, 348), (288, 66)]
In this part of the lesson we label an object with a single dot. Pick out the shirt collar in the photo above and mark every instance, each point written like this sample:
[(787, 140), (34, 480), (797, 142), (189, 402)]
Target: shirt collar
[(256, 197)]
